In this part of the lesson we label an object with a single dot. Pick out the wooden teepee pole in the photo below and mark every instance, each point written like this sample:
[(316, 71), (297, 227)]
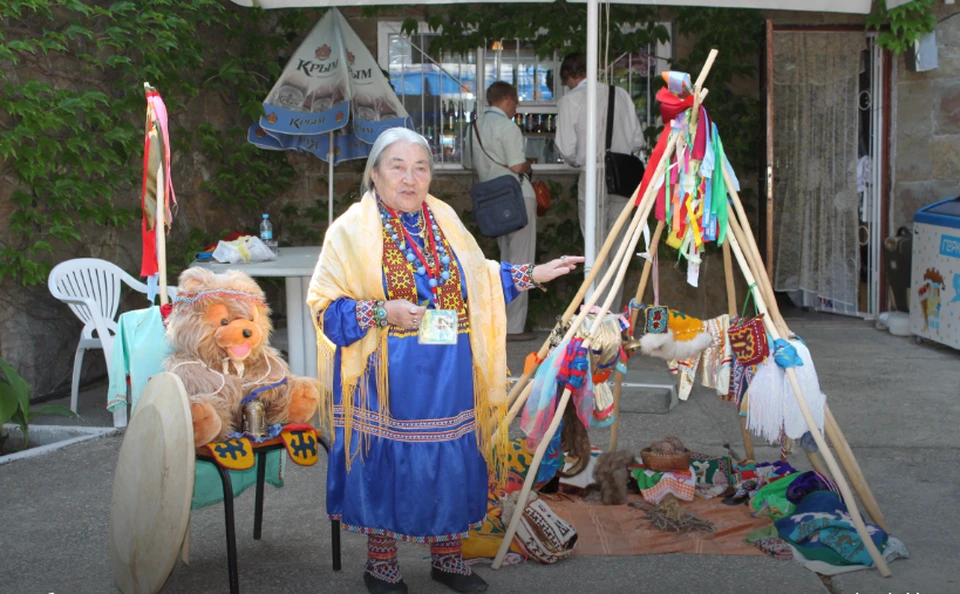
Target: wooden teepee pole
[(577, 299), (636, 225), (849, 461), (608, 242), (630, 243), (748, 449), (641, 289), (645, 275), (841, 481), (845, 453), (699, 94), (759, 273)]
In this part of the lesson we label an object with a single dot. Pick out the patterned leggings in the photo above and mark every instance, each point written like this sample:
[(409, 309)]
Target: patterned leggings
[(382, 558)]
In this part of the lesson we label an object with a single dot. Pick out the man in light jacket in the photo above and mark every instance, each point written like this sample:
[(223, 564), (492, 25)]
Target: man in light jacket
[(571, 140), (502, 153)]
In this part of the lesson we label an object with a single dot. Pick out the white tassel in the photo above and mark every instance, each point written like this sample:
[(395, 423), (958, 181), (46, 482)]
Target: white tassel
[(793, 422), (765, 401)]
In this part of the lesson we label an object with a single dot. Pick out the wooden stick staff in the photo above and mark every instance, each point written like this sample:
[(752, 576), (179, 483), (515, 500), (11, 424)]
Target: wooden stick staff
[(153, 125), (841, 482)]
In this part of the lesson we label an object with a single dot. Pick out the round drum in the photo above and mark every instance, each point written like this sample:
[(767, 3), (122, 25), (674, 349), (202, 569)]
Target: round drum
[(152, 487)]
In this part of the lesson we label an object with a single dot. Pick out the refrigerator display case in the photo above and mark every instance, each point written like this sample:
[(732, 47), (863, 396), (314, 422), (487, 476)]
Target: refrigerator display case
[(935, 273)]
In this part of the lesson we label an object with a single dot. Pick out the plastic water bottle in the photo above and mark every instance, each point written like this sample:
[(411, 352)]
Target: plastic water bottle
[(266, 234)]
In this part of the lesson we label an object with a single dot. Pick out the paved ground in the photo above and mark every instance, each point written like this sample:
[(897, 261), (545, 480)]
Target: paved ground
[(898, 403)]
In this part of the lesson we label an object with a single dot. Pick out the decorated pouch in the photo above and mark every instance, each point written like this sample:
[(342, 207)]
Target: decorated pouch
[(748, 338), (656, 314)]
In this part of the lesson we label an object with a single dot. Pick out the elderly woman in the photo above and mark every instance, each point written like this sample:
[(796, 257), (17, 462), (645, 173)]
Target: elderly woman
[(412, 327)]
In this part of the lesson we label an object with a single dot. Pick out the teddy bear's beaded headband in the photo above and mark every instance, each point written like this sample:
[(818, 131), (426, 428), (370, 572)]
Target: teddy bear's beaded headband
[(191, 298)]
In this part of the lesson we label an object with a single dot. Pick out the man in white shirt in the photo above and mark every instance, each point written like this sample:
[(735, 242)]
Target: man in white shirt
[(571, 140), (497, 151)]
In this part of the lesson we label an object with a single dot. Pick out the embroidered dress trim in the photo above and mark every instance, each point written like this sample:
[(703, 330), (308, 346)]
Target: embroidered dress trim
[(405, 537), (410, 431), (522, 275), (365, 314), (402, 284)]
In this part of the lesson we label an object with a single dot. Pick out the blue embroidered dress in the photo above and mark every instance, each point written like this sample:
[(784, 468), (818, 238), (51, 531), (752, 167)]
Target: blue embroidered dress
[(425, 479)]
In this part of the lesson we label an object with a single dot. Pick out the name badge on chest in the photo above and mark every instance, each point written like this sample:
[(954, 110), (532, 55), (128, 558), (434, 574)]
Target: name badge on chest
[(438, 326)]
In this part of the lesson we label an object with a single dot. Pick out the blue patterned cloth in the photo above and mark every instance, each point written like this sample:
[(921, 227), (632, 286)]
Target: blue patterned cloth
[(821, 528), (425, 480)]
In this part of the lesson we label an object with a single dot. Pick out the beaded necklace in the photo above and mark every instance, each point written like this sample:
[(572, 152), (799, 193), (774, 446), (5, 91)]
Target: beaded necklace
[(418, 226), (434, 262)]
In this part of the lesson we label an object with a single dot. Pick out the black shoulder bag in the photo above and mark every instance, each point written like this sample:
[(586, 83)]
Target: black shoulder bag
[(498, 206), (623, 172)]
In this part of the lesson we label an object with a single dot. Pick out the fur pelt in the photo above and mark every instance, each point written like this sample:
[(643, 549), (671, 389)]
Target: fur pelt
[(575, 441), (509, 503), (666, 346), (222, 353), (611, 475)]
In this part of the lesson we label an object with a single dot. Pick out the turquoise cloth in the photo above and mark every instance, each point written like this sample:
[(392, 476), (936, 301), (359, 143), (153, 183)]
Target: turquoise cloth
[(139, 349), (208, 488)]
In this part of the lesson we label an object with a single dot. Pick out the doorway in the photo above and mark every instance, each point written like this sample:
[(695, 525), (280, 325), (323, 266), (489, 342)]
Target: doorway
[(827, 98)]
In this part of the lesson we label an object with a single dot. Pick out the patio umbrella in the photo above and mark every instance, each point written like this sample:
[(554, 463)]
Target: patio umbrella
[(332, 100)]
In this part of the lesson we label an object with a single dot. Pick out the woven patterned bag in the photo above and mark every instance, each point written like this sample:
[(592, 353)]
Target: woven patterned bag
[(748, 337), (543, 535)]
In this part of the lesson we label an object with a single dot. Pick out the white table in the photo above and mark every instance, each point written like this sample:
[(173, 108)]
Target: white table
[(295, 265)]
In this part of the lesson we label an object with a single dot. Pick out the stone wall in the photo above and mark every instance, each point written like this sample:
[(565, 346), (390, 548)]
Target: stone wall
[(925, 152)]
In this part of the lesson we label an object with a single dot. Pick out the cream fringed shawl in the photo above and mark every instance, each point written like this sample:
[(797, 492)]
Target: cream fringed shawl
[(350, 266)]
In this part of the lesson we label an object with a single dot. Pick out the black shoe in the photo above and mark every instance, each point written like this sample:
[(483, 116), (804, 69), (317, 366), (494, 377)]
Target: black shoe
[(458, 581), (377, 586)]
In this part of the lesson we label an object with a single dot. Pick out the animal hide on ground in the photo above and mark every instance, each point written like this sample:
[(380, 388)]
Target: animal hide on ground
[(611, 474)]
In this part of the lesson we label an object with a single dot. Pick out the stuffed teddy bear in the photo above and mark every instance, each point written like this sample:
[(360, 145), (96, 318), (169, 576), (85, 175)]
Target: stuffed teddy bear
[(220, 331)]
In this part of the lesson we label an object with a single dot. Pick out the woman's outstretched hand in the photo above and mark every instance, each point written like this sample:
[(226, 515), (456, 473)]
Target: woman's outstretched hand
[(544, 273)]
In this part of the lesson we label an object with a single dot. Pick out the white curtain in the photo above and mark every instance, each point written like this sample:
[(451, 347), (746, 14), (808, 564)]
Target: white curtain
[(815, 168)]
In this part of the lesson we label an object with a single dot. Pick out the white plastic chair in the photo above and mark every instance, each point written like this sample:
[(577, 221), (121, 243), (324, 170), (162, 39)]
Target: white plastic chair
[(91, 287)]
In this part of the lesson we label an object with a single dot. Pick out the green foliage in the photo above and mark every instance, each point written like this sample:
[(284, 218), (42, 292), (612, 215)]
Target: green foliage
[(72, 135), (559, 27), (903, 25), (15, 403)]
